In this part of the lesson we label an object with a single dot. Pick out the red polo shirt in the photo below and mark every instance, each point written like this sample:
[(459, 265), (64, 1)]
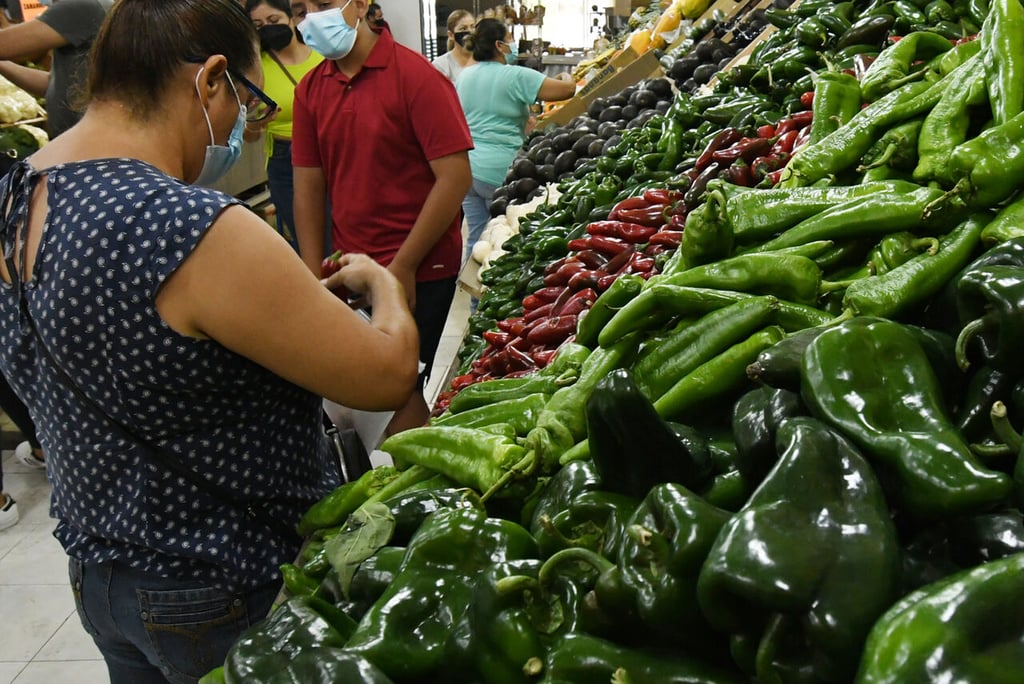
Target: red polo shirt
[(374, 136)]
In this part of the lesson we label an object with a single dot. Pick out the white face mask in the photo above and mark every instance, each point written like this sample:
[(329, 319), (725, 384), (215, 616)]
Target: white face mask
[(220, 158), (328, 33)]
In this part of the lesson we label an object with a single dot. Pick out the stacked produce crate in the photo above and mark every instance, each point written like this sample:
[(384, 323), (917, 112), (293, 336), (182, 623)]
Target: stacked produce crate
[(740, 405)]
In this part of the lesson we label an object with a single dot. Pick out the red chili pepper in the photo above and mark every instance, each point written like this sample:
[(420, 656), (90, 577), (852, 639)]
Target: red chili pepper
[(548, 294), (807, 99), (557, 305), (775, 176), (762, 166), (558, 263), (740, 174), (520, 360), (725, 137), (766, 131), (564, 273), (655, 250), (861, 63), (552, 330), (329, 266), (785, 142), (747, 149), (678, 221), (497, 364), (640, 264), (604, 244), (509, 323), (496, 338), (795, 121), (802, 138), (630, 232), (531, 302), (538, 313), (668, 238), (519, 342), (662, 195), (626, 204), (606, 281), (465, 380), (543, 357), (653, 216), (583, 280), (579, 302), (619, 260), (591, 258)]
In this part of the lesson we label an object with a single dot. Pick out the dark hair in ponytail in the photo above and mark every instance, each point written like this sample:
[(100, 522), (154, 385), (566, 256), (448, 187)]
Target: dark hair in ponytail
[(481, 41)]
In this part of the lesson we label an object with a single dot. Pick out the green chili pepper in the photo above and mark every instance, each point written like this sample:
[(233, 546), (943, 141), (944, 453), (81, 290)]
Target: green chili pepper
[(918, 279), (297, 582), (780, 571), (837, 99), (892, 67), (842, 148), (405, 632), (946, 125), (897, 148), (967, 627), (712, 379), (707, 235), (563, 421), (1007, 224), (878, 214), (620, 293), (520, 413), (657, 369), (632, 447), (1002, 47), (901, 423), (787, 276), (288, 645), (947, 62), (897, 249), (759, 214), (986, 168)]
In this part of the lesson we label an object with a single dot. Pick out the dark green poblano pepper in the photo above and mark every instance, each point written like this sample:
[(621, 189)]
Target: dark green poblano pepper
[(870, 379), (778, 579)]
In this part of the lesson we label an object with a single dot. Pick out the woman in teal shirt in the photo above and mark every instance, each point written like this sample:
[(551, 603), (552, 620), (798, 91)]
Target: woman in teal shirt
[(495, 97)]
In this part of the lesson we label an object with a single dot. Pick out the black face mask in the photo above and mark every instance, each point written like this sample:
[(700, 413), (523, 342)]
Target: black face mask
[(378, 22), (275, 37), (460, 37)]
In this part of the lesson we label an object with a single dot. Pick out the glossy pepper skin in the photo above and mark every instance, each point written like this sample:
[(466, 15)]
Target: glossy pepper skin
[(900, 424), (594, 520), (892, 68), (1002, 47), (583, 659), (837, 99), (986, 167), (404, 633), (968, 627), (301, 624), (708, 234), (632, 447), (994, 297), (781, 569)]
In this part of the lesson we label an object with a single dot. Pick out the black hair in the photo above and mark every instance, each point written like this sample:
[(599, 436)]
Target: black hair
[(373, 7), (142, 43), (280, 5), (481, 41)]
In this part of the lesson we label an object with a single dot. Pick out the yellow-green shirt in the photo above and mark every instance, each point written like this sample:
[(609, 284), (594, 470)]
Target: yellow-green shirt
[(281, 91)]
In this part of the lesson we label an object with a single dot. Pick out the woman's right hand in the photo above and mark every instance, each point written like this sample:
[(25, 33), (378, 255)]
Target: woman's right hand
[(359, 274)]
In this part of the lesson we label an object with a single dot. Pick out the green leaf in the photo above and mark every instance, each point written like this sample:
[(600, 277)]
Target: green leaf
[(366, 531)]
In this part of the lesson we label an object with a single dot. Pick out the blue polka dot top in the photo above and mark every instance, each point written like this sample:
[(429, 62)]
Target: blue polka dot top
[(116, 230)]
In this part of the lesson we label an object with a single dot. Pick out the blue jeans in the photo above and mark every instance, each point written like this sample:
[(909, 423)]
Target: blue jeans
[(157, 630), (474, 206), (280, 184)]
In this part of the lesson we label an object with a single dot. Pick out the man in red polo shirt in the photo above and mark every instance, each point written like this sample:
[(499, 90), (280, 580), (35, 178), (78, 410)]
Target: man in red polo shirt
[(379, 136)]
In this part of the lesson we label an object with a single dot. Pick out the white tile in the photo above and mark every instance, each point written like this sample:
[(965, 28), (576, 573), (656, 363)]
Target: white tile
[(13, 536), (77, 671), (37, 559), (8, 671), (33, 615), (71, 642), (32, 492)]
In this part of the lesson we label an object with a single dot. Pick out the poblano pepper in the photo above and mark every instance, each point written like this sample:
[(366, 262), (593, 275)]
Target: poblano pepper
[(990, 294), (779, 575), (968, 627), (405, 632), (901, 424), (707, 236)]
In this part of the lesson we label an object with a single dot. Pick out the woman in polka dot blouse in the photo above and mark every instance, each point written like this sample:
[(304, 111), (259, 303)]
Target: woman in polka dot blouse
[(188, 327)]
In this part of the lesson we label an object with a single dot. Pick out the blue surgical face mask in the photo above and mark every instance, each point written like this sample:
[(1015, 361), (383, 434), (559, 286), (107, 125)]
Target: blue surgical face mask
[(220, 158), (45, 3), (512, 54), (328, 33)]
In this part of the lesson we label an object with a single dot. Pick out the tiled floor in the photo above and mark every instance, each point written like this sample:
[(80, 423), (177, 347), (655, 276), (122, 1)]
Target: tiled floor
[(41, 639)]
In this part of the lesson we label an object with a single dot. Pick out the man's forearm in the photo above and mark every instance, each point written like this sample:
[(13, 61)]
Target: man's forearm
[(32, 81), (441, 206), (310, 215)]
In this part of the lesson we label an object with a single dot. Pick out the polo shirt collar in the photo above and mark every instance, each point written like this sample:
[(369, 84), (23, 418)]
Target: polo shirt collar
[(380, 55)]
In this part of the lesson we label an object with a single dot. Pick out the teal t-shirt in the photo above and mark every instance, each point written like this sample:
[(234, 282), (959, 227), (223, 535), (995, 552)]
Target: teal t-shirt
[(496, 98)]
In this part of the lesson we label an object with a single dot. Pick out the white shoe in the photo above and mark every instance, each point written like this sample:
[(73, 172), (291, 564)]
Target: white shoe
[(9, 513), (27, 456)]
